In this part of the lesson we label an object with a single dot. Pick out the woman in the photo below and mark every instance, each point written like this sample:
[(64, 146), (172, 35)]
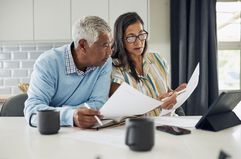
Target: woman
[(147, 72)]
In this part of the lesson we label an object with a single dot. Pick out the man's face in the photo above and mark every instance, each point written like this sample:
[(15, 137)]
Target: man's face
[(98, 53)]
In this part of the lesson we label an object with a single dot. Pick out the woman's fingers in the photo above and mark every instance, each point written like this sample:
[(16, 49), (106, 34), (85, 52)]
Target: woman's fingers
[(181, 87), (169, 102)]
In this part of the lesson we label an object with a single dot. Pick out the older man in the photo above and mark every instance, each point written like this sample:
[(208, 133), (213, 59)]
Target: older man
[(65, 78)]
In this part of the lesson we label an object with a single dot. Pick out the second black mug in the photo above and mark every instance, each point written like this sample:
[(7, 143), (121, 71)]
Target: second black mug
[(140, 134)]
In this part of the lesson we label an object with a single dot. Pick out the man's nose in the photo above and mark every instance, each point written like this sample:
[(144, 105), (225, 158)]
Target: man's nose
[(109, 51)]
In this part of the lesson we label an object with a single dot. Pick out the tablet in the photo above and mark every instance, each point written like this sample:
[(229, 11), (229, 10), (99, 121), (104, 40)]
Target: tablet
[(221, 110)]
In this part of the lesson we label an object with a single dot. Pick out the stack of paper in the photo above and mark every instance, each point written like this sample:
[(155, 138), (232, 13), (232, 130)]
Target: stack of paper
[(127, 101)]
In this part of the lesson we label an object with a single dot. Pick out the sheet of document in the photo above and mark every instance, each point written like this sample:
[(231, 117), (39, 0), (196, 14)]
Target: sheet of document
[(111, 137), (127, 101), (237, 110), (181, 121), (191, 85), (116, 136)]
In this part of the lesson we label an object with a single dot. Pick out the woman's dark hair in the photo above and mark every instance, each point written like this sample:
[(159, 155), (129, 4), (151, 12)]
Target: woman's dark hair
[(119, 51)]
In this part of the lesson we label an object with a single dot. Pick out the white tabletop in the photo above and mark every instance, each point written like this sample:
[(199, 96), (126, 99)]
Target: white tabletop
[(18, 140)]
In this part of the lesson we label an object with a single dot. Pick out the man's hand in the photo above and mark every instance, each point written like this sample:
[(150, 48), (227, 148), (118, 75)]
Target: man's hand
[(84, 117), (169, 100)]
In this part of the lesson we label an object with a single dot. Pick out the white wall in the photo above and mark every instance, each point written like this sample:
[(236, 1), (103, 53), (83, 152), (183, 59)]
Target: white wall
[(17, 59), (16, 64), (160, 28)]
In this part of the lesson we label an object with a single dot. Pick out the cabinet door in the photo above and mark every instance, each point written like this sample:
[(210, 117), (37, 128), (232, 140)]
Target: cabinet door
[(81, 8), (118, 7), (16, 17), (52, 20)]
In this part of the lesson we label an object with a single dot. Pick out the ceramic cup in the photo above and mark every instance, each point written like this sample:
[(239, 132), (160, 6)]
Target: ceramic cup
[(140, 134), (48, 121)]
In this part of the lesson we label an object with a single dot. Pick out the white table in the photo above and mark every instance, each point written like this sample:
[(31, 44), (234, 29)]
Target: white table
[(18, 140)]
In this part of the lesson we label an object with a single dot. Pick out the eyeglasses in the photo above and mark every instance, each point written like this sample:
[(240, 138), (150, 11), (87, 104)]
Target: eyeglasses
[(132, 38)]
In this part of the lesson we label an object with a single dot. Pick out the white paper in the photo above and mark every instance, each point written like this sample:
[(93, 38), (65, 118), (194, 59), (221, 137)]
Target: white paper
[(192, 84), (111, 137), (116, 137), (181, 121), (127, 101), (237, 110)]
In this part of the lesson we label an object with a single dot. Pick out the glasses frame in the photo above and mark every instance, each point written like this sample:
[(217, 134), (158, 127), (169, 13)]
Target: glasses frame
[(137, 36)]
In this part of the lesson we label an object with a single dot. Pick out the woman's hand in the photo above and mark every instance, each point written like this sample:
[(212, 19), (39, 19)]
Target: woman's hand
[(181, 87), (169, 100)]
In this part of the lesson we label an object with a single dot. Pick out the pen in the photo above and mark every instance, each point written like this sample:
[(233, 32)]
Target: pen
[(181, 91), (178, 93), (98, 120)]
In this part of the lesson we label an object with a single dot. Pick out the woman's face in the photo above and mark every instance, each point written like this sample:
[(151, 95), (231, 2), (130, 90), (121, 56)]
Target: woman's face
[(134, 39)]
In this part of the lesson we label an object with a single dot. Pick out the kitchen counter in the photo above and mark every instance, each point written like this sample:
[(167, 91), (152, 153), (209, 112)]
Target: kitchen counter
[(3, 98)]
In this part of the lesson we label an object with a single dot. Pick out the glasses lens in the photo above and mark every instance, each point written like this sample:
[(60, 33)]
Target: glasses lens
[(142, 36), (131, 39)]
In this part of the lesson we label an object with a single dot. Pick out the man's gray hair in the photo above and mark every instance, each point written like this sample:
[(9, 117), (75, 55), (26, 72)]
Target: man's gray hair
[(89, 28)]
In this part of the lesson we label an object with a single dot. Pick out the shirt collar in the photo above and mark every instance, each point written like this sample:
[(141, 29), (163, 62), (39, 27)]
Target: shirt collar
[(70, 65)]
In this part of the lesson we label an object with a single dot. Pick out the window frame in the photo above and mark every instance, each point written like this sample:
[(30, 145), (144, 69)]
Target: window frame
[(235, 45)]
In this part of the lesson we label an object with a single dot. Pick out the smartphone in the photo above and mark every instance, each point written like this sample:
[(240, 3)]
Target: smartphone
[(173, 130)]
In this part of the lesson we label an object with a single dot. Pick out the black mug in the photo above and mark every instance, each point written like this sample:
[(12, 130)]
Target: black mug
[(140, 134), (48, 121)]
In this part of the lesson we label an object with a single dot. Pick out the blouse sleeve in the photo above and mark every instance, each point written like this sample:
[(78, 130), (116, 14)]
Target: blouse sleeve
[(163, 63), (116, 75), (165, 66)]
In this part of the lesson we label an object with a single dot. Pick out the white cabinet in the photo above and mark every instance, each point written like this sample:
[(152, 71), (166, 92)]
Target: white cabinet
[(82, 8), (118, 7), (52, 20), (16, 20)]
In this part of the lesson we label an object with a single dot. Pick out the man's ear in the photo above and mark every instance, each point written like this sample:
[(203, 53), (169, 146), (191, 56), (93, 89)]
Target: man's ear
[(82, 44)]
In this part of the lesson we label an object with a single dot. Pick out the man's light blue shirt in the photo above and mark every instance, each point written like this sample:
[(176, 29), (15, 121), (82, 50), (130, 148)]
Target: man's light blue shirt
[(56, 83)]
